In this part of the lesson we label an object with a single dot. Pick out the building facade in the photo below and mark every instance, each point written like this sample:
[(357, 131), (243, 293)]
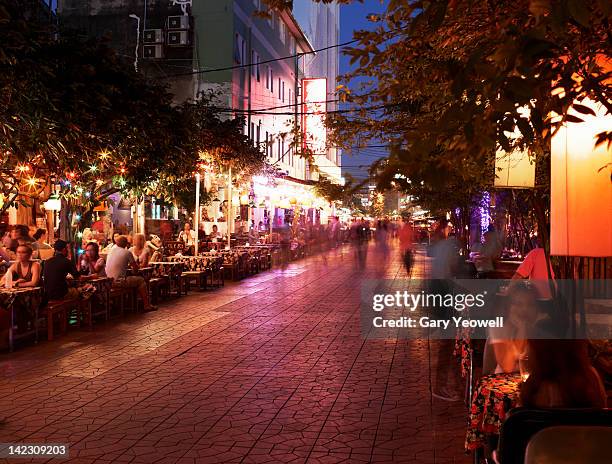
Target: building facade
[(252, 64)]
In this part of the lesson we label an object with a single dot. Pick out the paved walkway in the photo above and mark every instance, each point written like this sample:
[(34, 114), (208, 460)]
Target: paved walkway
[(272, 369)]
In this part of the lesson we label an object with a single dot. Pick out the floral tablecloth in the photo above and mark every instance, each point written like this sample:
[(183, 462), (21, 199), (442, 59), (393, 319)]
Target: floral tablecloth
[(464, 349), (166, 268), (20, 310), (493, 397), (198, 263), (102, 287), (234, 257)]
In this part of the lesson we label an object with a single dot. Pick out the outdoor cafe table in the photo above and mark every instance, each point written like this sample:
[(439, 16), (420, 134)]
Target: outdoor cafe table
[(103, 287), (25, 300), (196, 263), (493, 397), (173, 270)]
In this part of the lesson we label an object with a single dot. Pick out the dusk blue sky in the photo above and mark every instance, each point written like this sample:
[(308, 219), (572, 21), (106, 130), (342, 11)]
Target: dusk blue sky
[(353, 17)]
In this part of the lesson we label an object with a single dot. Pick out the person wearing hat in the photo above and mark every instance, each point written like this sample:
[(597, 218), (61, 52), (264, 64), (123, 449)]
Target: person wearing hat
[(56, 270)]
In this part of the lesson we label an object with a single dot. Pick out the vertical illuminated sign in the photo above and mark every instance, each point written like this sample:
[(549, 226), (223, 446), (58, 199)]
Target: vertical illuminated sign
[(314, 109)]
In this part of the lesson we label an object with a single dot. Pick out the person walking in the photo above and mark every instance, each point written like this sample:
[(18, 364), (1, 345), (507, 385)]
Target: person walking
[(445, 253), (406, 238)]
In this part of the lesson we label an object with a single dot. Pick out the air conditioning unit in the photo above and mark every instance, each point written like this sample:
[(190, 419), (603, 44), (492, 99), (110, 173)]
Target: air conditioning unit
[(178, 38), (152, 52), (178, 22), (153, 36)]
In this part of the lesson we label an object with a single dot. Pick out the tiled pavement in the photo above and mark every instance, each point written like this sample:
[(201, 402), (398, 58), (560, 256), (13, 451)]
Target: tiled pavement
[(272, 369)]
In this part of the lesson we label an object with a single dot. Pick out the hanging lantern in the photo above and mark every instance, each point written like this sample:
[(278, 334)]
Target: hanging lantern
[(284, 204), (514, 170), (53, 203), (101, 207), (581, 187), (244, 200), (293, 200)]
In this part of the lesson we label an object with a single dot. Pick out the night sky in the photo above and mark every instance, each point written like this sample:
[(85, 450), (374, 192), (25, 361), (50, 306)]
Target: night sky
[(353, 17)]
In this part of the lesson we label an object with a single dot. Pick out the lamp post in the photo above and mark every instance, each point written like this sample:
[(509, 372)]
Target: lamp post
[(196, 222), (230, 218), (137, 18)]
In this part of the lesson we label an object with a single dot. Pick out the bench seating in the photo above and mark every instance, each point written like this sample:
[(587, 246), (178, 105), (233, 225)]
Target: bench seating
[(60, 309)]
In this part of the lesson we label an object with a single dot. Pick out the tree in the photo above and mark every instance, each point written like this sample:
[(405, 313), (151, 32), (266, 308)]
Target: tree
[(452, 78), (75, 115)]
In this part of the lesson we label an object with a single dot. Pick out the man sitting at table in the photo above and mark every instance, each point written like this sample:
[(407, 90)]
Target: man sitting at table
[(214, 234), (119, 260), (55, 272)]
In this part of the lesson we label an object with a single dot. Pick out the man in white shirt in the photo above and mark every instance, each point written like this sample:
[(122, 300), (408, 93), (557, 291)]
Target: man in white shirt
[(188, 236), (119, 260)]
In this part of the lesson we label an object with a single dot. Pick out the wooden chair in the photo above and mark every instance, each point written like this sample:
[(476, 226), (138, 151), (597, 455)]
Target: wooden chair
[(159, 287), (198, 278), (122, 295), (59, 309)]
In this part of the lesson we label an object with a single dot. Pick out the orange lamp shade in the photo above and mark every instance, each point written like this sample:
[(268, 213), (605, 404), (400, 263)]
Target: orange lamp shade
[(581, 187)]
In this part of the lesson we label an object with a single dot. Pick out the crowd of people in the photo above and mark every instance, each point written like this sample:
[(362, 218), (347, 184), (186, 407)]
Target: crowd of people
[(22, 255)]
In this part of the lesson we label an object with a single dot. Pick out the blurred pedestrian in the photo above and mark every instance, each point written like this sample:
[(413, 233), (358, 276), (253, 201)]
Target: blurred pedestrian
[(406, 238)]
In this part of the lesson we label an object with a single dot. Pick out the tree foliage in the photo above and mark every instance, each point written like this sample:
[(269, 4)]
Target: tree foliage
[(453, 78), (73, 113)]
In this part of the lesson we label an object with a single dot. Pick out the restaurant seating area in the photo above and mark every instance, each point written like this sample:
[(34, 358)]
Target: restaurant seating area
[(499, 428), (31, 318)]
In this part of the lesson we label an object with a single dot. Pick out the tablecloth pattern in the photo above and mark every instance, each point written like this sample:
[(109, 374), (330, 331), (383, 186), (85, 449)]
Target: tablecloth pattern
[(493, 397)]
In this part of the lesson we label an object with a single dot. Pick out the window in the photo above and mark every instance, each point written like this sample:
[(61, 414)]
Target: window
[(267, 77), (271, 81), (291, 43), (281, 29), (279, 88), (279, 149), (257, 74), (258, 139), (252, 134), (283, 93), (238, 49), (267, 144), (253, 63)]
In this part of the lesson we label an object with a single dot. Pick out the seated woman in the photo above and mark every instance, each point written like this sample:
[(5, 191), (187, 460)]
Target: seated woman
[(155, 251), (509, 342), (561, 376), (140, 251), (92, 264), (24, 273)]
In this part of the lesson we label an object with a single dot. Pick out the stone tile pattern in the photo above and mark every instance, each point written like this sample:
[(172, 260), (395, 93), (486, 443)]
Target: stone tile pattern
[(271, 369)]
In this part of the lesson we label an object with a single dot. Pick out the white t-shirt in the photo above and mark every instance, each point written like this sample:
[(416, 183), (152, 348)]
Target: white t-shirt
[(188, 238), (118, 261)]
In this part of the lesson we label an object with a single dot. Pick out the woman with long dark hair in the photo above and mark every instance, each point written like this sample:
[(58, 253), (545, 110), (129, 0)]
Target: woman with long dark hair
[(561, 375)]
